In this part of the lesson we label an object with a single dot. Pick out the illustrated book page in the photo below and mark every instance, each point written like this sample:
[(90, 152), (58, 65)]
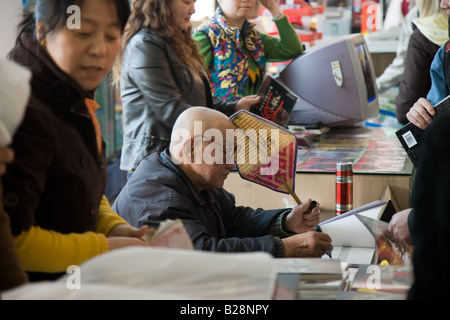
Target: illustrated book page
[(352, 241)]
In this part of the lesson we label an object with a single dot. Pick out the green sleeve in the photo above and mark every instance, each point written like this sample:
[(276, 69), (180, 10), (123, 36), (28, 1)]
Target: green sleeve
[(287, 47), (204, 46)]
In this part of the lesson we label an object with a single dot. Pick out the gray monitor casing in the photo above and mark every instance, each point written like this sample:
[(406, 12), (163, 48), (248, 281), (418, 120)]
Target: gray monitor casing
[(320, 98)]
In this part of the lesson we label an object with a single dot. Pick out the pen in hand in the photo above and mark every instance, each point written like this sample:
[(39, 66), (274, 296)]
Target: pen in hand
[(328, 252), (317, 227), (311, 206)]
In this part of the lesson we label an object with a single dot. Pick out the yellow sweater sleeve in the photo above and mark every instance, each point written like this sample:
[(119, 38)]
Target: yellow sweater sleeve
[(107, 218), (49, 251)]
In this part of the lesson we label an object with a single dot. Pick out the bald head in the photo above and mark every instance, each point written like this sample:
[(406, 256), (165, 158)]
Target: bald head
[(209, 119), (195, 125), (202, 145)]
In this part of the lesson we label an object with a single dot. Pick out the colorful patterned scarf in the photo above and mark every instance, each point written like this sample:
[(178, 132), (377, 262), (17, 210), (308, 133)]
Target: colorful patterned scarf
[(229, 68)]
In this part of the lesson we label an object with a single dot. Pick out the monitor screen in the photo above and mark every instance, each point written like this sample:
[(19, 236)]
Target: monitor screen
[(367, 71), (334, 83)]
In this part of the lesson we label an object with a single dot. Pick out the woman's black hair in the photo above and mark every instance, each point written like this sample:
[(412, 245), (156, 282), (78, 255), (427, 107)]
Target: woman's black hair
[(53, 13)]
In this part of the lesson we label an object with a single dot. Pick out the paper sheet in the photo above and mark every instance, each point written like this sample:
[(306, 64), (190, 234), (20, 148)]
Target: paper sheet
[(14, 95), (161, 273)]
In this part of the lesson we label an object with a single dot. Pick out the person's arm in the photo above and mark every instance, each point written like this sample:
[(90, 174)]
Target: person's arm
[(422, 111), (284, 225), (119, 232), (204, 46), (202, 236), (218, 229), (48, 251), (399, 225), (439, 89), (288, 46), (107, 218), (43, 250)]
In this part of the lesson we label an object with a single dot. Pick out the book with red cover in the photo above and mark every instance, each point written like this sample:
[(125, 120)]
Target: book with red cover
[(276, 102)]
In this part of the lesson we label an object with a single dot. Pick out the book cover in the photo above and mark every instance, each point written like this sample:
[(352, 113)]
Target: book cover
[(276, 102), (411, 137)]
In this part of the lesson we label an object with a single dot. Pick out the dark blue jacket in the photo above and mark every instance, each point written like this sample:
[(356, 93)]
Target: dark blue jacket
[(159, 190)]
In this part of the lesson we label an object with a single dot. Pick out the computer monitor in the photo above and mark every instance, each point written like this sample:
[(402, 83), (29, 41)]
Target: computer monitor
[(334, 82)]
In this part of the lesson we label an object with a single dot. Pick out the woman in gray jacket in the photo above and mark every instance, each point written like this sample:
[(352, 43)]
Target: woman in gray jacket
[(162, 74)]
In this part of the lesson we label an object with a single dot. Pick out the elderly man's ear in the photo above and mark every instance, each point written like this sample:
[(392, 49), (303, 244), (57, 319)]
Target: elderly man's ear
[(187, 151), (181, 150)]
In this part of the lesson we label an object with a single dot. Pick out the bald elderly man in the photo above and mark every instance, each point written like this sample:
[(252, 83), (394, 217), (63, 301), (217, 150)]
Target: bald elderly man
[(186, 182)]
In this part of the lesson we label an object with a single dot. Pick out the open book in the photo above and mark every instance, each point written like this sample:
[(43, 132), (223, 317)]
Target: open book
[(411, 137), (352, 241)]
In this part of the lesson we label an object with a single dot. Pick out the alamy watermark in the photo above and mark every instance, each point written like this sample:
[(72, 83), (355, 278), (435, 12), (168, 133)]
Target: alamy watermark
[(373, 282), (74, 20), (74, 280), (252, 146)]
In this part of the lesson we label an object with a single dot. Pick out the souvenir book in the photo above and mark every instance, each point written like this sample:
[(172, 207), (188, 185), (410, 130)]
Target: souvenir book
[(411, 137), (277, 101)]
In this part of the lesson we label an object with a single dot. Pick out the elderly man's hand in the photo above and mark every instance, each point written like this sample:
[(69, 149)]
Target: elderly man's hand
[(308, 244), (299, 220)]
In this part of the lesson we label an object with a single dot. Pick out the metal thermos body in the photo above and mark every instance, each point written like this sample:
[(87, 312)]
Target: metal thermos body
[(344, 187)]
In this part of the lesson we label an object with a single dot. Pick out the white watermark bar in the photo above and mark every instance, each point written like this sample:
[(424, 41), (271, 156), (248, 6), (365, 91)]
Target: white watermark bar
[(252, 146), (74, 20), (74, 280)]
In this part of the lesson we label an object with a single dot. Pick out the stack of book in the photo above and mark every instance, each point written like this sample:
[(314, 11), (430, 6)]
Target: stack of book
[(318, 279)]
